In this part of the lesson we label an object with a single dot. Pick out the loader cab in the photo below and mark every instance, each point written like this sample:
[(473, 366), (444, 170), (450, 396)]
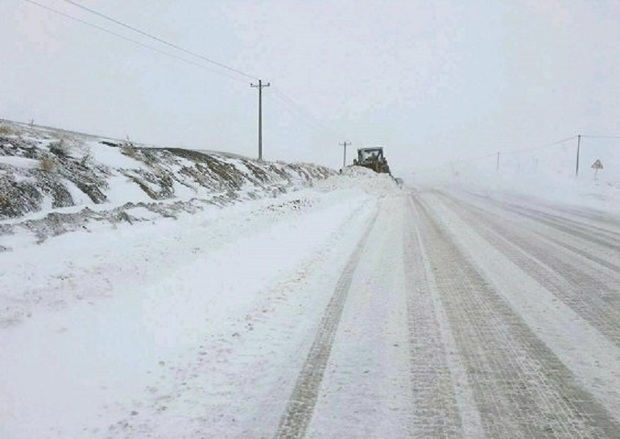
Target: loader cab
[(369, 154)]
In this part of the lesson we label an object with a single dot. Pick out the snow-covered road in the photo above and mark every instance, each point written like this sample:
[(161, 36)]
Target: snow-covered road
[(328, 314), (516, 305)]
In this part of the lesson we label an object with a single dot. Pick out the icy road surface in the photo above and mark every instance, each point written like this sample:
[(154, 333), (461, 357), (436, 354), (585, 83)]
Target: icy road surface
[(343, 314)]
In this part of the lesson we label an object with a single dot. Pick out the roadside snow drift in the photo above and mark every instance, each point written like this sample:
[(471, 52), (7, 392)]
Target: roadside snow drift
[(54, 181), (173, 319)]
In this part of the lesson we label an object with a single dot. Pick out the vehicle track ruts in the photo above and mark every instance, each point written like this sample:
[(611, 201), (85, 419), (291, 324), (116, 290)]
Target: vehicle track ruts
[(595, 297), (580, 245), (600, 217), (597, 221), (521, 388), (435, 409), (583, 253), (602, 236), (591, 233), (598, 224), (300, 406), (588, 216)]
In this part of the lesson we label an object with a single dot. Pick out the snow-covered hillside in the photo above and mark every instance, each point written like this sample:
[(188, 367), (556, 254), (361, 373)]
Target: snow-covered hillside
[(53, 181), (129, 331)]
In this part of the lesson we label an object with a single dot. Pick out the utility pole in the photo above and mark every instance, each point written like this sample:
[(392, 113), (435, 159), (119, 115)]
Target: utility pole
[(497, 164), (578, 147), (260, 87), (344, 157)]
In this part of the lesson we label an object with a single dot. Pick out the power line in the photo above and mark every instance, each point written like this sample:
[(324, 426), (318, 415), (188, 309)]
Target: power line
[(471, 159), (545, 145), (160, 40), (587, 136), (297, 110), (295, 113), (300, 111), (290, 101), (480, 157), (287, 102), (155, 49)]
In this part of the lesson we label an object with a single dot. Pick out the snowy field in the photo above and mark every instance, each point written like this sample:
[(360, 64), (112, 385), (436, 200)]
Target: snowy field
[(352, 309)]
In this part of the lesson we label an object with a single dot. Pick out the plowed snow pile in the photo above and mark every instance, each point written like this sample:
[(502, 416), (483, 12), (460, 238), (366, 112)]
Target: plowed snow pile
[(357, 177)]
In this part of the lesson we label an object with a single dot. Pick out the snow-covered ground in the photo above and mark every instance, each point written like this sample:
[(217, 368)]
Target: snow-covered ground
[(162, 327), (52, 181), (351, 308)]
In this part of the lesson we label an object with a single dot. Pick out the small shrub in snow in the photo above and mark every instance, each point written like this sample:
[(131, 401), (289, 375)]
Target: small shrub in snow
[(5, 130), (86, 159), (47, 163), (129, 149), (61, 148)]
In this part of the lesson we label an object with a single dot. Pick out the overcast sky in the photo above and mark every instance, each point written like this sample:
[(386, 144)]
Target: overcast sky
[(431, 81)]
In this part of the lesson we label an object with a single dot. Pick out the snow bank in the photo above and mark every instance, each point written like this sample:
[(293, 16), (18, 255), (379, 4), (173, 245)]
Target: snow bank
[(360, 178), (145, 329), (147, 282), (45, 175)]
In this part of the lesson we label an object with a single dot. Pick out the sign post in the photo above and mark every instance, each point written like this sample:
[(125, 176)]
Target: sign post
[(596, 166)]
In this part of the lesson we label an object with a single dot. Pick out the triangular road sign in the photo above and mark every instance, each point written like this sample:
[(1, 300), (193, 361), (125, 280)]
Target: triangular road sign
[(597, 164)]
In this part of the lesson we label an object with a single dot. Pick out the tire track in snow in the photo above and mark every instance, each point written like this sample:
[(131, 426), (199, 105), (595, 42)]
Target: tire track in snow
[(299, 409), (442, 398), (604, 224), (583, 253), (578, 244), (586, 293), (366, 388), (604, 237), (521, 388)]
